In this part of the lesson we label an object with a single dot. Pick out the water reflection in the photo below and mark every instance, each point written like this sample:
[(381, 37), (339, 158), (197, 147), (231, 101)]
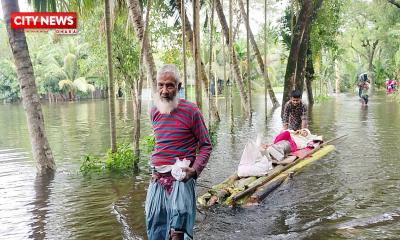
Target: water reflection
[(41, 205), (359, 180), (364, 115)]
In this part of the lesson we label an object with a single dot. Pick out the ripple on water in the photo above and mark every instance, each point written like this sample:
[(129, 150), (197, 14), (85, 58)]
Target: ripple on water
[(359, 180)]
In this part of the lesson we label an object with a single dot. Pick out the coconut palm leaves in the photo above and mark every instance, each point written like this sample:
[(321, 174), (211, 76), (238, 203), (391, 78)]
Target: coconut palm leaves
[(63, 62)]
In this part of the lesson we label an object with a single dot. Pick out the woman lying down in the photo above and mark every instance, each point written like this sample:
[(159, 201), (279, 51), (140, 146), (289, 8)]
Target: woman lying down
[(257, 158), (289, 141)]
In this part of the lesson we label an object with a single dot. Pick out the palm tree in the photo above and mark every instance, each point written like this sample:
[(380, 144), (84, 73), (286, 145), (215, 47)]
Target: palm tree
[(40, 146), (72, 81), (53, 5)]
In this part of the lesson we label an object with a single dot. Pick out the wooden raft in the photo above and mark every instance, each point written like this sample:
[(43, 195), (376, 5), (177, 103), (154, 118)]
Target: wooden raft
[(252, 190)]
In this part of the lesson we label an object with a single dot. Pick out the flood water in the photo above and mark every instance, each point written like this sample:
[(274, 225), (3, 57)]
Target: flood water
[(353, 193)]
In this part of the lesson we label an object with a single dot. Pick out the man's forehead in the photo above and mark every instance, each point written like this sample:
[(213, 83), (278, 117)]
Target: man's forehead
[(167, 76)]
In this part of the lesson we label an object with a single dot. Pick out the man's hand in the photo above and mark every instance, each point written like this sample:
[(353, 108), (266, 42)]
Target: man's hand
[(285, 126), (190, 173), (304, 124)]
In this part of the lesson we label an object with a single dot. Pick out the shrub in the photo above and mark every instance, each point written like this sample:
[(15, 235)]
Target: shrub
[(120, 161), (90, 164), (147, 144)]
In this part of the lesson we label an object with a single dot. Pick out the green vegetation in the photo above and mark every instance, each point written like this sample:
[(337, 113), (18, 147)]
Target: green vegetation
[(147, 144), (213, 131), (341, 40), (121, 161), (342, 37)]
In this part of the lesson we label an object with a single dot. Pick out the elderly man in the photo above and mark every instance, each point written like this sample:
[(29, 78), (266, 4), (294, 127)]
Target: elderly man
[(180, 133), (295, 113)]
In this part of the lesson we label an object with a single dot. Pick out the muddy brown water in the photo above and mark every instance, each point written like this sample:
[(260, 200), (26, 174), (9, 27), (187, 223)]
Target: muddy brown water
[(353, 193)]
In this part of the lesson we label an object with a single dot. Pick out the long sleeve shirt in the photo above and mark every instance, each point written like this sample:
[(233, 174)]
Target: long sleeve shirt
[(180, 134)]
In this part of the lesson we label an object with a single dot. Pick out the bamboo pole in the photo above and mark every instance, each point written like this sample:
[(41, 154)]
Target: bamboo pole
[(260, 181), (266, 189)]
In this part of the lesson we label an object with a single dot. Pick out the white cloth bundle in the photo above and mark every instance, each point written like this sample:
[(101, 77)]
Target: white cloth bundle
[(253, 162), (177, 171)]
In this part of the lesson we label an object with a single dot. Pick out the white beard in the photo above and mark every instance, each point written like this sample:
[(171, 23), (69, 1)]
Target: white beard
[(164, 106)]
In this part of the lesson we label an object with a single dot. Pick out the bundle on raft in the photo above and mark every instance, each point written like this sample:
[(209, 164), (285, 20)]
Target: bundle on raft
[(252, 190)]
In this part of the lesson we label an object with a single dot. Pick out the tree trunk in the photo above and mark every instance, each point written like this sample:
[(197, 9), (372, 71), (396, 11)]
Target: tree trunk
[(135, 14), (185, 85), (309, 76), (238, 76), (137, 96), (189, 36), (337, 77), (42, 153), (210, 60), (111, 92), (230, 50), (397, 4), (225, 75), (238, 23), (136, 125), (302, 58), (248, 49), (196, 51), (265, 72), (298, 33), (260, 61), (294, 77), (370, 64)]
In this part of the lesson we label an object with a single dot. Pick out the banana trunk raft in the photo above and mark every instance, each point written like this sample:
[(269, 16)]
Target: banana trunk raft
[(252, 190)]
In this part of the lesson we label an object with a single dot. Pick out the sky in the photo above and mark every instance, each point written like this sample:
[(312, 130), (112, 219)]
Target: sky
[(23, 7)]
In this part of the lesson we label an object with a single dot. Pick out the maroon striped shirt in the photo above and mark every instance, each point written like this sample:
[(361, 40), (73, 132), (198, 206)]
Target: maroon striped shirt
[(180, 134)]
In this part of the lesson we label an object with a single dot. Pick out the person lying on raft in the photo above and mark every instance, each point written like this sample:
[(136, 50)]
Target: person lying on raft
[(289, 141)]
